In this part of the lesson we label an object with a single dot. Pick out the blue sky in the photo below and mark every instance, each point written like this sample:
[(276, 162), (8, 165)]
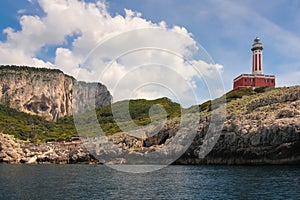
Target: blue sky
[(226, 29)]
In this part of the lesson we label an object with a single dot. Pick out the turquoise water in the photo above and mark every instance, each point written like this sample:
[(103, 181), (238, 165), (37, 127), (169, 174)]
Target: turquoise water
[(173, 182)]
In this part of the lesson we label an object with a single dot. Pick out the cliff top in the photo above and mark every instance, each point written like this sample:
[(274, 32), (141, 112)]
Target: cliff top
[(4, 69)]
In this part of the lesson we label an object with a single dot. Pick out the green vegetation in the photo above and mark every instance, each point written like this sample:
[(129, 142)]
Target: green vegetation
[(237, 94), (139, 113), (28, 69), (34, 128), (260, 89), (37, 129), (12, 69), (205, 106), (226, 98)]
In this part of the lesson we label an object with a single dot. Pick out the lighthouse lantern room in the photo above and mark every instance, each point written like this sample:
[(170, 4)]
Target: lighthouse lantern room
[(257, 78)]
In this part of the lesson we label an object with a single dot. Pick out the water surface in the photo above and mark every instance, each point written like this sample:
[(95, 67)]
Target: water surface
[(173, 182)]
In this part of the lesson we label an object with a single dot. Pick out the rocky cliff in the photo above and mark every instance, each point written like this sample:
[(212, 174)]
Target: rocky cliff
[(46, 92), (258, 129)]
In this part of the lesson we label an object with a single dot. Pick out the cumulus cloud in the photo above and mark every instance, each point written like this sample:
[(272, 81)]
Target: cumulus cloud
[(93, 45)]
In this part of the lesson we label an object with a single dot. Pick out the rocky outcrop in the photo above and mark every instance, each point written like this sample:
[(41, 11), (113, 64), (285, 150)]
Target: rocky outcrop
[(10, 149), (259, 129), (17, 151), (47, 92)]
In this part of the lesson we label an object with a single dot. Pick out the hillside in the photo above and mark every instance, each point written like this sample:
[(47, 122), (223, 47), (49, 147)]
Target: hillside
[(32, 139), (37, 129), (34, 128), (259, 128), (139, 113)]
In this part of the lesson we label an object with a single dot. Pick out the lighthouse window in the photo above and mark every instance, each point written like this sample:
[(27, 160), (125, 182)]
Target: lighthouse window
[(251, 80), (245, 80), (266, 80)]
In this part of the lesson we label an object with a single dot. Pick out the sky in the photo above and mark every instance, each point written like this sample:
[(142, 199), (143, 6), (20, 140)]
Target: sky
[(188, 50)]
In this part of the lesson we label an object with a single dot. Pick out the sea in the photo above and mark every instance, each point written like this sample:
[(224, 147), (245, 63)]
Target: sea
[(172, 182)]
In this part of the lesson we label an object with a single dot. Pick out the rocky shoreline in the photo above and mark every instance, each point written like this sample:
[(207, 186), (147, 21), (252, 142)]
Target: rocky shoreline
[(258, 129), (14, 151)]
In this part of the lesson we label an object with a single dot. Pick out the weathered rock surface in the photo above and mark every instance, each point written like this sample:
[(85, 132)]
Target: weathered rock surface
[(47, 93), (17, 151), (259, 129)]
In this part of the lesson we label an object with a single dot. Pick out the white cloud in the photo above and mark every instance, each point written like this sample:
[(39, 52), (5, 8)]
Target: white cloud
[(21, 11), (89, 25), (9, 55)]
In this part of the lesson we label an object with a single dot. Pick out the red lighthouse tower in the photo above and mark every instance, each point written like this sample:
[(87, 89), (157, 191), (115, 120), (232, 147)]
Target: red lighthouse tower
[(257, 78)]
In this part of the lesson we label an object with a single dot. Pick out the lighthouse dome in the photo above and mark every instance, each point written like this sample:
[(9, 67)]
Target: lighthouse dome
[(256, 40)]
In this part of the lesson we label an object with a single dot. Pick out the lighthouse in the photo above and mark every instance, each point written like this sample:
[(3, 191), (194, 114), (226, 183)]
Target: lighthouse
[(257, 78), (257, 47)]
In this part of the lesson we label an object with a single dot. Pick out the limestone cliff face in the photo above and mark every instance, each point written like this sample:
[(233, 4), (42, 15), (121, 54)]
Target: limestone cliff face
[(258, 129), (45, 92)]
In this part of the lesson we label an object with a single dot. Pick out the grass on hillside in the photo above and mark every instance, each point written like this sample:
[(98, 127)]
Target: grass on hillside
[(34, 128), (139, 113), (37, 129), (226, 98)]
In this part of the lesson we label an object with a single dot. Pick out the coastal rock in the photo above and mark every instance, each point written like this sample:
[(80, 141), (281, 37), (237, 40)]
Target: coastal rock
[(17, 151), (266, 132), (261, 129), (258, 129), (10, 149)]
